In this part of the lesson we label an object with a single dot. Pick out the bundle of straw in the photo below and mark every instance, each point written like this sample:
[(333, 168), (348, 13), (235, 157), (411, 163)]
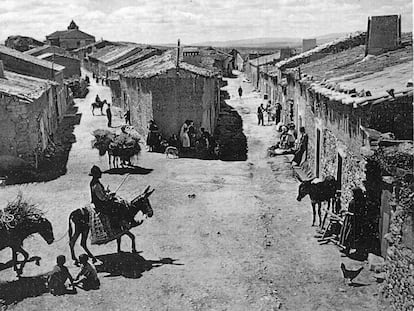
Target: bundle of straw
[(17, 211)]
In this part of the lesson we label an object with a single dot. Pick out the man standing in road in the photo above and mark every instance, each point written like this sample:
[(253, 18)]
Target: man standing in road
[(240, 90), (278, 108), (109, 114), (260, 114)]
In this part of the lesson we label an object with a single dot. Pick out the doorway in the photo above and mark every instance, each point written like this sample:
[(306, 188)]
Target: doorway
[(339, 172), (318, 152)]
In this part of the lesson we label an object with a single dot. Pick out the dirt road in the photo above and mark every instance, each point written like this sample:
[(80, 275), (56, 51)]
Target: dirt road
[(242, 242)]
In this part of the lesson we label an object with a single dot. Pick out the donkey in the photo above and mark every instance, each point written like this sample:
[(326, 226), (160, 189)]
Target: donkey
[(80, 219), (322, 191), (98, 105), (14, 237)]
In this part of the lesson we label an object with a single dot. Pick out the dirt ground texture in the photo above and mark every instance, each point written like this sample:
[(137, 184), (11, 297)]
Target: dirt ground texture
[(242, 242)]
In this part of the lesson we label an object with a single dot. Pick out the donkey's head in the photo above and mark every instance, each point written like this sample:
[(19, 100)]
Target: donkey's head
[(304, 188), (142, 203), (42, 226)]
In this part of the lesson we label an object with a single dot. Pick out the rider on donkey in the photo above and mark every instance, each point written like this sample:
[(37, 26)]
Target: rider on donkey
[(106, 203), (97, 99)]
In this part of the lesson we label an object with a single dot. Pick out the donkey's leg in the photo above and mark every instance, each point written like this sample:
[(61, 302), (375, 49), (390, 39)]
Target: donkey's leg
[(320, 213), (72, 243), (25, 254), (132, 237), (326, 213), (314, 213), (14, 259), (84, 237)]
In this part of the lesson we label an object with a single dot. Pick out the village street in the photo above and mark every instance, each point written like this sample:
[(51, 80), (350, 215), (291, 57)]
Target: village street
[(242, 242)]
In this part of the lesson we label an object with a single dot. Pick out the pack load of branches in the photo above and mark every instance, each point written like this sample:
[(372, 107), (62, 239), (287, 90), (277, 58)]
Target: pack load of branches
[(126, 144), (17, 211)]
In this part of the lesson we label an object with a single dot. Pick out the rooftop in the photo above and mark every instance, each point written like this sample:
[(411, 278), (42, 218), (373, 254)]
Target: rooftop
[(266, 59), (30, 58), (25, 87), (159, 64), (133, 58), (340, 44), (352, 78), (69, 34), (38, 50), (112, 53)]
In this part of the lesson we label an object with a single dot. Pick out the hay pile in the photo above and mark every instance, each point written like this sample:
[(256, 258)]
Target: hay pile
[(18, 211), (125, 144)]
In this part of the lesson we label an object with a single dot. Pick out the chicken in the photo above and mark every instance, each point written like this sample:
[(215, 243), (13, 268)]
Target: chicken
[(350, 275)]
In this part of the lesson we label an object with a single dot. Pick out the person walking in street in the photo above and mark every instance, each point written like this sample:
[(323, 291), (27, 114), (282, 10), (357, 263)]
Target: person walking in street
[(278, 109), (260, 114), (240, 90), (109, 114)]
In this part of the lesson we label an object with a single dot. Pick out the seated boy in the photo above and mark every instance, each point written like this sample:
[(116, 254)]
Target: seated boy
[(58, 277), (87, 277)]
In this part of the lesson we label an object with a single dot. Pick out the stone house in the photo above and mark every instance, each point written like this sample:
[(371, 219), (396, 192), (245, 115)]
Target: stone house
[(209, 57), (29, 65), (70, 39), (72, 65), (170, 92), (335, 92), (83, 52), (27, 114), (113, 76), (261, 63), (47, 49), (238, 60), (100, 60)]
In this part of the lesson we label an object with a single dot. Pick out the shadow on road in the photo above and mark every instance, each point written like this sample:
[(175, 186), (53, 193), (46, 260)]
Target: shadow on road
[(130, 265), (134, 170), (9, 264), (16, 291)]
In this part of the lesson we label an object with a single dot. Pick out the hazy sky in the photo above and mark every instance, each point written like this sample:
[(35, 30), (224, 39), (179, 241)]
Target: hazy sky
[(163, 21)]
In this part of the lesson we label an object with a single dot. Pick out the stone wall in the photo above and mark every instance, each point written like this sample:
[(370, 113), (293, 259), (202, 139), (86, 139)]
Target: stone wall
[(72, 65), (25, 127), (398, 288), (170, 100)]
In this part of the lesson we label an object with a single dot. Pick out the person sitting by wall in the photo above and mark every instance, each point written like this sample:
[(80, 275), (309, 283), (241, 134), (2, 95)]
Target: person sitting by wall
[(302, 146)]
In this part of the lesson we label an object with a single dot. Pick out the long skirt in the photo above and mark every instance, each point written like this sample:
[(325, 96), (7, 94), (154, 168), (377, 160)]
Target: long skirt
[(185, 140)]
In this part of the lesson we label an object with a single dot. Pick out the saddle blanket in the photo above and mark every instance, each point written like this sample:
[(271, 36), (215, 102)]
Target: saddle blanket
[(101, 230)]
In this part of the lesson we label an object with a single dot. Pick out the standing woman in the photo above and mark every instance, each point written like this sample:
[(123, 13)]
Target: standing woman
[(152, 135), (184, 138)]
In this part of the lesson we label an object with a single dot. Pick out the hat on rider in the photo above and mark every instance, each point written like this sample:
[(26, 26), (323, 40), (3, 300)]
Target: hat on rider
[(95, 171)]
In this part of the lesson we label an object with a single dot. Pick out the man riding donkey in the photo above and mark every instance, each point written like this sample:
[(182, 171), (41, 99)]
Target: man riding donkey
[(108, 203)]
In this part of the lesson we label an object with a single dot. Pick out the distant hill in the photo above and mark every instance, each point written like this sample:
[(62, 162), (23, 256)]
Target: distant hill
[(22, 43), (269, 42)]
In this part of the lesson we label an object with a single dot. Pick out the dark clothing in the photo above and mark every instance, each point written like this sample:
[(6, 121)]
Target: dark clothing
[(57, 279), (128, 117), (153, 137), (278, 111), (260, 115), (99, 197), (302, 148), (240, 90), (109, 116)]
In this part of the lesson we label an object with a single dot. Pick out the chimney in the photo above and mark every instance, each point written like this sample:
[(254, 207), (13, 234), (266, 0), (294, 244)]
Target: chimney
[(308, 44), (1, 70), (384, 34), (178, 54)]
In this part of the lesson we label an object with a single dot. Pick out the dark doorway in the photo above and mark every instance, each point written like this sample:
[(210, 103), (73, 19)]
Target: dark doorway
[(339, 172), (318, 151)]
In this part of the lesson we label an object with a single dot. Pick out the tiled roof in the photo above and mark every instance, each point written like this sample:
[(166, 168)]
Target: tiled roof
[(25, 87), (30, 58), (70, 34), (266, 59), (320, 51), (344, 75), (133, 58), (112, 53), (160, 64), (38, 50)]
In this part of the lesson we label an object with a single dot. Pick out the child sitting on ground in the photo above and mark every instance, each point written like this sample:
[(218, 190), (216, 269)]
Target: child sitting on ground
[(58, 277), (87, 277)]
